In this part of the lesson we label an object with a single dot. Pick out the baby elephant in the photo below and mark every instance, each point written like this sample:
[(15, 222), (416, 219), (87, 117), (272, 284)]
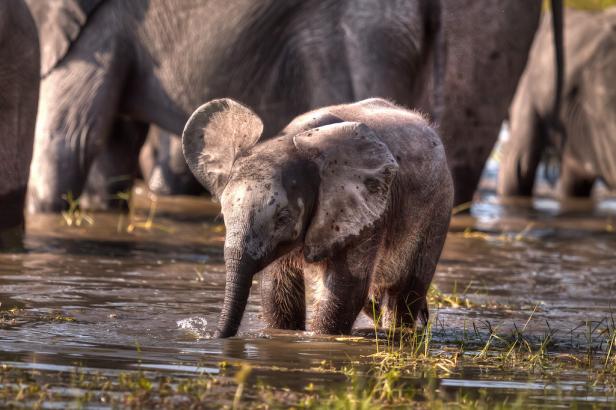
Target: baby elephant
[(354, 199)]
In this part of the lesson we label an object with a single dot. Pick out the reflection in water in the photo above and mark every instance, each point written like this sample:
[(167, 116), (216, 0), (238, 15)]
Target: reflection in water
[(105, 299)]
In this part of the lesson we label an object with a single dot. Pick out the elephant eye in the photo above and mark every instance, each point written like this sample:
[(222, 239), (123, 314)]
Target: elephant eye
[(283, 218)]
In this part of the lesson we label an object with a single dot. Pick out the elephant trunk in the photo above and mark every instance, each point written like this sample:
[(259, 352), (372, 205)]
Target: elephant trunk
[(237, 289)]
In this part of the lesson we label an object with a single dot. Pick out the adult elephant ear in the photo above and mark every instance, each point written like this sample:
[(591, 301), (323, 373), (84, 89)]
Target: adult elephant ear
[(213, 137), (356, 170), (59, 24)]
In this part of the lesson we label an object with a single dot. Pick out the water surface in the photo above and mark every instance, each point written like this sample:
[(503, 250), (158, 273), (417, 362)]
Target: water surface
[(105, 299)]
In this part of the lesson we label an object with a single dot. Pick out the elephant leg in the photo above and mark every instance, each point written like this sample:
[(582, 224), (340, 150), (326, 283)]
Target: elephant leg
[(78, 105), (404, 272), (165, 169), (19, 83), (148, 156), (116, 167), (480, 54), (373, 50), (373, 307), (283, 295), (342, 290), (522, 153), (403, 307), (405, 301), (573, 181)]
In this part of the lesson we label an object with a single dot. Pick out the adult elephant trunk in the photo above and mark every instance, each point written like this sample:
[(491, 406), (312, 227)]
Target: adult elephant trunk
[(240, 271)]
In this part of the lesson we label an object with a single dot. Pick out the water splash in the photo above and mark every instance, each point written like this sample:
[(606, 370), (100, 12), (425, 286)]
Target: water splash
[(195, 326)]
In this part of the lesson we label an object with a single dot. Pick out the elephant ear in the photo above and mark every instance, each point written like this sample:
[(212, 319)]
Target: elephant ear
[(309, 121), (214, 136), (356, 170), (59, 24)]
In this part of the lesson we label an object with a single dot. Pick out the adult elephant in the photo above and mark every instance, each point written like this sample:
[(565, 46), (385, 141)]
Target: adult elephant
[(589, 107), (163, 166), (19, 85), (481, 51), (155, 60)]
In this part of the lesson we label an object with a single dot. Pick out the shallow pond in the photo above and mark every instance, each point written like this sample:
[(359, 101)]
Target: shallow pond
[(119, 311)]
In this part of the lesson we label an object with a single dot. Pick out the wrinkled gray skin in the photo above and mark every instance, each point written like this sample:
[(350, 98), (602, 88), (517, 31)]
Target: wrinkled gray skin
[(480, 54), (589, 109), (163, 165), (19, 84), (155, 60), (468, 101), (353, 199)]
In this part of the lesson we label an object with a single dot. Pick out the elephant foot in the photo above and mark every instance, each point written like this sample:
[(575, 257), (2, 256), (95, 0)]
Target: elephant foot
[(12, 238), (513, 180), (576, 189), (12, 219), (403, 311), (574, 184), (465, 183), (37, 204)]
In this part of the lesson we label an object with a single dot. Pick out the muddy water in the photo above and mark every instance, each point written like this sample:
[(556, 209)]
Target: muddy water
[(112, 297)]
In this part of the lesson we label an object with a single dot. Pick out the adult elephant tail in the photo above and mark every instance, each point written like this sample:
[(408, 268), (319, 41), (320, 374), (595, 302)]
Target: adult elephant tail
[(559, 54), (556, 131)]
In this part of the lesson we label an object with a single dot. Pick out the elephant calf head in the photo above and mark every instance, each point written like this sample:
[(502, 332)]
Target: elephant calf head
[(316, 189)]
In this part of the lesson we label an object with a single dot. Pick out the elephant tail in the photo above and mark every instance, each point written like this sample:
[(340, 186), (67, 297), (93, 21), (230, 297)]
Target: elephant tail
[(556, 132)]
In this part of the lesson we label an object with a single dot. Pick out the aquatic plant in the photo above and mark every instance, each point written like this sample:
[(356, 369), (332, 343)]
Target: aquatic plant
[(74, 215), (463, 207), (453, 300), (240, 378), (590, 4), (134, 221), (405, 368), (523, 235)]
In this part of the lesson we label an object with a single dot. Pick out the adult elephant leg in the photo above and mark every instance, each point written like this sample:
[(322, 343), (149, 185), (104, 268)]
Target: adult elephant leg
[(574, 182), (19, 80), (283, 295), (116, 167), (522, 152), (164, 167), (386, 60), (481, 51), (148, 156), (78, 104)]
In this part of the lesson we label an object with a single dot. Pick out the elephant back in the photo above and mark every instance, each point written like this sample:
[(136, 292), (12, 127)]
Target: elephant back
[(59, 23)]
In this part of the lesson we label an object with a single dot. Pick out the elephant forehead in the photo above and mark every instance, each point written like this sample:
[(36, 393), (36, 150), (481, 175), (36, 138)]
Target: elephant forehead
[(250, 209), (261, 198)]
